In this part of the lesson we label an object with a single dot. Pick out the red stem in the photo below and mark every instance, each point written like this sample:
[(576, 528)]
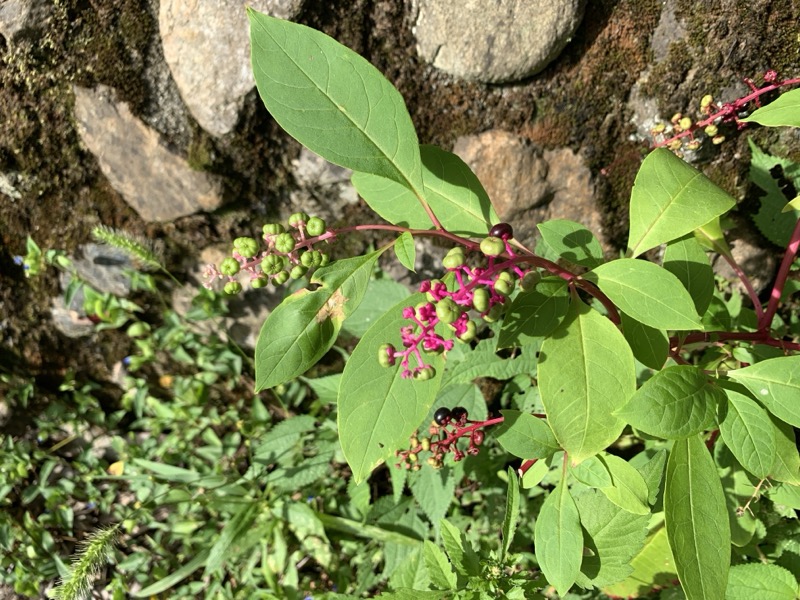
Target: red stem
[(780, 280), (748, 285)]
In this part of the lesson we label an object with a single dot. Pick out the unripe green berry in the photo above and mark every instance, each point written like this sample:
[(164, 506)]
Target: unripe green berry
[(230, 266), (685, 123), (297, 219), (454, 258), (530, 280), (424, 374), (280, 278), (447, 311), (426, 444), (706, 101), (306, 259), (298, 271), (273, 229), (232, 288), (501, 286), (273, 264), (434, 462), (430, 296), (494, 313), (470, 333), (413, 458), (247, 247), (480, 299), (284, 242), (711, 130), (386, 355), (259, 282), (326, 258), (315, 226), (492, 246)]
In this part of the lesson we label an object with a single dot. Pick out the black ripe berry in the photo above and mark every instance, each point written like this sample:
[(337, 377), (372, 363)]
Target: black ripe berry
[(504, 231), (442, 416), (459, 415)]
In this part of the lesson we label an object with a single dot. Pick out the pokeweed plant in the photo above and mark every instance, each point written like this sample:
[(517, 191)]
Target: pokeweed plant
[(653, 351)]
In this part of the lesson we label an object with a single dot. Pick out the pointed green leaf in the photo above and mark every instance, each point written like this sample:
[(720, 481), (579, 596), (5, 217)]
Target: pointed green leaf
[(771, 220), (710, 236), (378, 408), (776, 384), (534, 313), (535, 474), (571, 241), (234, 529), (653, 567), (525, 436), (670, 199), (748, 431), (333, 101), (512, 513), (614, 537), (586, 374), (405, 250), (686, 259), (761, 582), (792, 205), (439, 569), (787, 457), (433, 490), (648, 293), (173, 578), (628, 489), (650, 346), (677, 402), (783, 111), (304, 326), (383, 294), (697, 521), (558, 539), (592, 472), (459, 550), (450, 187)]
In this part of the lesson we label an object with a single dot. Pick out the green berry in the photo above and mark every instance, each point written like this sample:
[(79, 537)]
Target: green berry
[(480, 299), (447, 311), (426, 444), (247, 247), (470, 333), (232, 288), (259, 282), (501, 286), (386, 355), (424, 374), (284, 242), (273, 264), (273, 229), (280, 278), (494, 313), (326, 258), (492, 246), (230, 266), (298, 271), (530, 281), (297, 219), (454, 259), (315, 226)]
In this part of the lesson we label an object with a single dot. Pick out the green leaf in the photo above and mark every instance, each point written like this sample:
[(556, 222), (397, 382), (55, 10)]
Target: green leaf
[(771, 220), (614, 537), (467, 395), (572, 242), (686, 259), (697, 521), (652, 567), (378, 408), (383, 294), (535, 474), (450, 187), (433, 490), (173, 578), (405, 250), (558, 538), (439, 569), (710, 236), (586, 374), (760, 581), (525, 436), (304, 326), (592, 472), (411, 573), (748, 431), (784, 111), (535, 313), (234, 529), (790, 206), (652, 471), (776, 384), (677, 402), (333, 101), (628, 490), (670, 199), (648, 293), (459, 550), (650, 346), (483, 361), (512, 513), (787, 457)]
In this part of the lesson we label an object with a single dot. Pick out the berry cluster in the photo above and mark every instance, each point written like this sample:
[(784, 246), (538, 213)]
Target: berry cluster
[(288, 254), (484, 290), (448, 426)]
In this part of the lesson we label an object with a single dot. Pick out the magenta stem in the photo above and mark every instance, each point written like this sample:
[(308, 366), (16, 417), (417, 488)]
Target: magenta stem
[(780, 280)]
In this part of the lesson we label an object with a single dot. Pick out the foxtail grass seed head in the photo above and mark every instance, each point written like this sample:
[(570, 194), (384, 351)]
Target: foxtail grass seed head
[(142, 251)]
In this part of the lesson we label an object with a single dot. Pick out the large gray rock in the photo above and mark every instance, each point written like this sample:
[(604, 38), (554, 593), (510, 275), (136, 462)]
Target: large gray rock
[(494, 42), (18, 15), (207, 47), (158, 184)]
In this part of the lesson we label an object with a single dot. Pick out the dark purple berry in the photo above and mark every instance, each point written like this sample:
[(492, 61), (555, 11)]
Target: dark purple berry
[(459, 415), (502, 230), (442, 416)]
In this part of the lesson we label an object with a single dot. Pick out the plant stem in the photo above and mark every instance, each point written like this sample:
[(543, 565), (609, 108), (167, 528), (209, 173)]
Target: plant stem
[(765, 319), (748, 285)]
